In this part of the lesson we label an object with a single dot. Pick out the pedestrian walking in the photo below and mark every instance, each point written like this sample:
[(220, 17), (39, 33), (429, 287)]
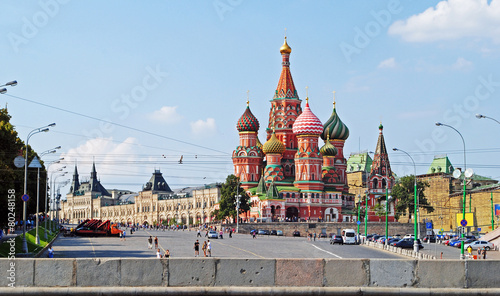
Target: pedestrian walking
[(253, 233), (198, 234), (121, 235), (156, 242), (206, 234), (167, 254), (150, 242), (124, 235), (315, 236), (469, 250), (484, 253), (158, 253), (230, 233), (478, 253), (51, 252), (204, 248), (196, 248), (209, 249)]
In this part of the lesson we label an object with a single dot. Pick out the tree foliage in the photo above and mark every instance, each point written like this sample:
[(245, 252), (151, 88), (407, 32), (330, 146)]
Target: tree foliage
[(404, 195), (11, 177), (227, 204)]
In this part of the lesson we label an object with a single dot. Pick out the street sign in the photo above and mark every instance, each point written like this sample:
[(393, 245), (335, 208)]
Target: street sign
[(463, 222), (19, 161), (35, 163), (479, 229), (25, 197), (428, 225), (359, 222)]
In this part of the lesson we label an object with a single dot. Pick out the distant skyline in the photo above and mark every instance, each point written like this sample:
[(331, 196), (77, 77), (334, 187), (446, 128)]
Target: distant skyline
[(138, 85)]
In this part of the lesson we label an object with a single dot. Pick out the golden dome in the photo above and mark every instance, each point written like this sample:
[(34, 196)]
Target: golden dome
[(273, 145), (285, 48)]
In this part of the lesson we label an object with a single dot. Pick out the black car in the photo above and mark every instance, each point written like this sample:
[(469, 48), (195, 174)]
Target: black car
[(407, 243), (263, 232), (296, 233), (273, 232), (429, 238), (322, 235), (336, 239)]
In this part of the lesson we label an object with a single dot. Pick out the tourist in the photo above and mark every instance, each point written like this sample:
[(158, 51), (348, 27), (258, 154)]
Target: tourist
[(156, 242), (196, 248), (158, 253), (198, 234), (209, 249), (484, 253), (51, 252), (124, 235), (204, 248), (167, 254), (469, 250), (150, 242)]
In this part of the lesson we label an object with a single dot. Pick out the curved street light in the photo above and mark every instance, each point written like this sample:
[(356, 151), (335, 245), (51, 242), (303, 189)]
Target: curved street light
[(10, 83), (54, 198), (479, 116), (462, 254), (31, 133), (415, 200), (46, 194)]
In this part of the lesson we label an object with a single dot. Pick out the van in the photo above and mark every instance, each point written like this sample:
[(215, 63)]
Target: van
[(349, 236)]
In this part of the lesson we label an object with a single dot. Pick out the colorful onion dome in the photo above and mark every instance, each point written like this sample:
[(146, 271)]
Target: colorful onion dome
[(307, 123), (273, 145), (285, 48), (335, 128), (328, 149), (247, 122)]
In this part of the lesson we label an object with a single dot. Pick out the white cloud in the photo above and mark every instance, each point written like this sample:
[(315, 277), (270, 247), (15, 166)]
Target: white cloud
[(462, 64), (167, 115), (389, 63), (205, 128), (452, 20)]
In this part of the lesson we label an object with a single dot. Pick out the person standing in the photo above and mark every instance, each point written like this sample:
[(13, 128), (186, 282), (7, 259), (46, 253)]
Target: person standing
[(156, 242), (199, 233), (204, 248), (315, 236), (469, 250), (478, 253), (196, 248), (167, 254), (124, 235), (209, 249), (484, 253), (158, 253), (51, 252), (150, 242)]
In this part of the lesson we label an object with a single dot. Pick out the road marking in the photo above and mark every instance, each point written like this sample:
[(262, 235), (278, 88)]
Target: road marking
[(326, 251), (242, 250), (93, 250)]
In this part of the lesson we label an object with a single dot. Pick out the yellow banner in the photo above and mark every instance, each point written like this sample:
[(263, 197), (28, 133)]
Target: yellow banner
[(468, 216)]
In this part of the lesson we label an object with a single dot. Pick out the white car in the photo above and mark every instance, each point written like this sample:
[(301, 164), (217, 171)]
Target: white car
[(212, 234), (479, 244)]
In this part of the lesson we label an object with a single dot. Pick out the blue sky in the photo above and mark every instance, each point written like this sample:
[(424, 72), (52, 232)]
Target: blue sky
[(177, 73)]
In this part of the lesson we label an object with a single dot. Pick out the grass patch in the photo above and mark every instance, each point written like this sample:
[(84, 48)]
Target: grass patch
[(30, 240)]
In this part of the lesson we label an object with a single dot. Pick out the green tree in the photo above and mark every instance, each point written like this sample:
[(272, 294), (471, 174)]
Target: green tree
[(404, 195), (11, 177), (379, 210), (227, 204)]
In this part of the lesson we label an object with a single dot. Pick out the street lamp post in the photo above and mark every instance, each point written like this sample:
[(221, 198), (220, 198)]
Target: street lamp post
[(54, 204), (387, 199), (359, 213), (462, 254), (47, 217), (479, 116), (31, 133), (366, 213), (415, 226), (3, 89)]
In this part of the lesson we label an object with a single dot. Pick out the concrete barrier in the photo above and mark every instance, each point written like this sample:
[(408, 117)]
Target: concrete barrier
[(222, 272)]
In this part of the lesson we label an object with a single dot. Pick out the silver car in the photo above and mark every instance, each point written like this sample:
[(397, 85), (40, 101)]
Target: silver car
[(479, 244)]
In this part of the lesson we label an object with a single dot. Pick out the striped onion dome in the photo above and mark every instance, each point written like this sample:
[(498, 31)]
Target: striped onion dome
[(273, 145), (328, 149), (335, 128), (247, 122), (307, 123)]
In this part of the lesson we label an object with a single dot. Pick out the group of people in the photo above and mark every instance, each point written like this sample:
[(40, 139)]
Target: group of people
[(206, 247), (481, 252), (154, 240)]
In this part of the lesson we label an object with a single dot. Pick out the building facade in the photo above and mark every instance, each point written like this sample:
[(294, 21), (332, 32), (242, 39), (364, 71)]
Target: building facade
[(155, 204)]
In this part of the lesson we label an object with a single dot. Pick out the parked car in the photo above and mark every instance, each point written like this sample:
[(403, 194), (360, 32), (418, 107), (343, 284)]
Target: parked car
[(407, 243), (213, 234), (296, 233), (479, 244), (468, 241), (454, 243), (279, 232), (336, 239), (263, 232), (374, 238), (273, 232), (429, 238), (393, 241), (322, 234)]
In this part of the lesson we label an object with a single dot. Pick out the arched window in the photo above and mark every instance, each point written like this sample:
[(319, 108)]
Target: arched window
[(375, 183), (384, 183)]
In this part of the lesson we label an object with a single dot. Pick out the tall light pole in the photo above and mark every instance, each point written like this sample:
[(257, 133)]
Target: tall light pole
[(462, 254), (54, 204), (31, 133), (37, 237), (359, 213), (47, 217), (10, 83), (237, 203), (479, 116), (366, 213), (415, 226)]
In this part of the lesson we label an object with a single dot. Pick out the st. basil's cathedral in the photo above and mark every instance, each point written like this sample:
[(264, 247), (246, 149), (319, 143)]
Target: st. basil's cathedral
[(291, 177)]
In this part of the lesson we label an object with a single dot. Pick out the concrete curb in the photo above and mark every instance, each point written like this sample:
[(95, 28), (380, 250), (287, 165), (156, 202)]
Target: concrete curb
[(244, 291), (405, 252)]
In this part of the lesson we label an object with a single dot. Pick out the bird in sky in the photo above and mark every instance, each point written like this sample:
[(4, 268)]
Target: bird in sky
[(180, 160)]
